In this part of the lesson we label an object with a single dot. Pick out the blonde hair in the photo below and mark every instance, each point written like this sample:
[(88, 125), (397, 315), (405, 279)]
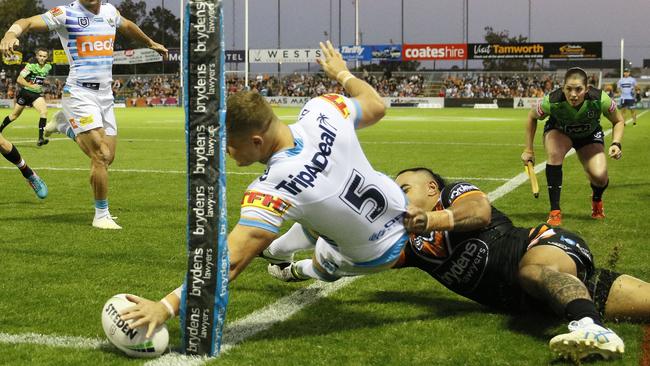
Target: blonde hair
[(247, 112)]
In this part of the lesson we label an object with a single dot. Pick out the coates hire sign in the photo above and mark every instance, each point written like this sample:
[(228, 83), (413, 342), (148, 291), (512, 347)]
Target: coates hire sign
[(553, 50), (450, 51)]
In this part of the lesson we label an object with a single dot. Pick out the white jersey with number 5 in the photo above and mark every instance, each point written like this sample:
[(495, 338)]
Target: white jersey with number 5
[(327, 184), (87, 39)]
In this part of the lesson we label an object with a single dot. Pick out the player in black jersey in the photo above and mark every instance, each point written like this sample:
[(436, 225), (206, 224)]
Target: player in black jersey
[(475, 250)]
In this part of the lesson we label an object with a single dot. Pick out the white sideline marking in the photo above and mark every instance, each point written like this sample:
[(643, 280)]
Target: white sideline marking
[(257, 321)]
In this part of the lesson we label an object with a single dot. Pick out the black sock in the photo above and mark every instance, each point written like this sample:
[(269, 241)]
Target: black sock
[(580, 308), (554, 181), (597, 195), (41, 126), (14, 157), (5, 123)]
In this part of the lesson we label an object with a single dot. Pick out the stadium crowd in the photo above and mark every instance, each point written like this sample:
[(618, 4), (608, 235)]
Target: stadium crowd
[(470, 85), (501, 86), (311, 85)]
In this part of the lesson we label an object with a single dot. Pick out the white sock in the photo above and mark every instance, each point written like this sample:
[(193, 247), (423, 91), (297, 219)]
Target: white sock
[(305, 268), (101, 208), (292, 241)]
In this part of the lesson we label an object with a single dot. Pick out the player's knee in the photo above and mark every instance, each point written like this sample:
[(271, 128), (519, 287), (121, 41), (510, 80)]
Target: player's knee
[(101, 156), (555, 158), (599, 178), (530, 274)]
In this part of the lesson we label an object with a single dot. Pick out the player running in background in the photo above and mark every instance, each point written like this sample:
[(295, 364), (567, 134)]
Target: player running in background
[(627, 93), (31, 81), (87, 32), (574, 122), (318, 175), (11, 153)]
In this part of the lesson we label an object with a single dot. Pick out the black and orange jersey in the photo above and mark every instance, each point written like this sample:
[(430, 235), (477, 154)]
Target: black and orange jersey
[(470, 263)]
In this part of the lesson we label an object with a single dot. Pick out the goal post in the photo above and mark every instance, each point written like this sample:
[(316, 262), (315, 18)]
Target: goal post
[(205, 293)]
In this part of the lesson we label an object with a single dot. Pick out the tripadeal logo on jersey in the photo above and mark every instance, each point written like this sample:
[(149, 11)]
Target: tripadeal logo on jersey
[(306, 177)]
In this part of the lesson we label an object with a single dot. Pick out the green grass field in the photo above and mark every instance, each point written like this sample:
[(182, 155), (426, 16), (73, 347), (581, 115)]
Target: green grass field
[(56, 271)]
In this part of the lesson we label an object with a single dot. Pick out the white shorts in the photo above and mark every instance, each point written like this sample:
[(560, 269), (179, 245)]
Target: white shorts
[(336, 265), (87, 109)]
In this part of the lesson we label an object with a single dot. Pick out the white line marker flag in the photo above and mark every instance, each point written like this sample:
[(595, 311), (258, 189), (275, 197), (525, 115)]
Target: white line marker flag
[(205, 294)]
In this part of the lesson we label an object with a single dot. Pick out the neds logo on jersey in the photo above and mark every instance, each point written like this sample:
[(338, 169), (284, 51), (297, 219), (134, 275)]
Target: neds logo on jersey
[(274, 204), (92, 46)]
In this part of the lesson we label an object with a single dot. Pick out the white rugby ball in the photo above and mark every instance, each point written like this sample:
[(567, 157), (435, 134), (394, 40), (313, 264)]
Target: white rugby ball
[(131, 341)]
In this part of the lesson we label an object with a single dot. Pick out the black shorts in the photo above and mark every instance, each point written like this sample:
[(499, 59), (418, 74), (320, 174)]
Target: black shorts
[(571, 244), (26, 98), (628, 103), (595, 137)]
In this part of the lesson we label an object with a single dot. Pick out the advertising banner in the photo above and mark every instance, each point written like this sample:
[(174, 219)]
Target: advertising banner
[(351, 53), (136, 56), (297, 55), (287, 101), (525, 103), (472, 102), (420, 52), (59, 57), (386, 52), (554, 50)]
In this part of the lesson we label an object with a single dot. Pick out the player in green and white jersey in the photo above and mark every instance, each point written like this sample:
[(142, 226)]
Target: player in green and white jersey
[(31, 80), (574, 122)]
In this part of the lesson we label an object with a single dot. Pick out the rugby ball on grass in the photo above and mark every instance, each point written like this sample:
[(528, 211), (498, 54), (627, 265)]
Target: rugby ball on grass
[(131, 341)]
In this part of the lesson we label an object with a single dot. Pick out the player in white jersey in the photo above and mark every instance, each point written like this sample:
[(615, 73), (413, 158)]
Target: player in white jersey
[(87, 32), (317, 175), (627, 90)]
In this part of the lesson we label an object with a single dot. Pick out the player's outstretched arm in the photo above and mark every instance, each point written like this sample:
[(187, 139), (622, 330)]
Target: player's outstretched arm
[(372, 105), (132, 31), (21, 26), (469, 213), (244, 244)]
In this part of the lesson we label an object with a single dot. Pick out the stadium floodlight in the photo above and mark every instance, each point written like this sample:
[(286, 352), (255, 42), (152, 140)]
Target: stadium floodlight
[(205, 294)]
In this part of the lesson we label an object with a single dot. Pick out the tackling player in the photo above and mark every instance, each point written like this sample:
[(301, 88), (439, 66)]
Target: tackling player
[(474, 250), (31, 80), (627, 92), (574, 122), (318, 175), (10, 152), (87, 32)]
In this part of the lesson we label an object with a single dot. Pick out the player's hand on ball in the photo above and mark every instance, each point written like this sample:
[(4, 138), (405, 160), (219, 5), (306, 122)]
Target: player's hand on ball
[(416, 220), (615, 152), (333, 62), (145, 312), (527, 156)]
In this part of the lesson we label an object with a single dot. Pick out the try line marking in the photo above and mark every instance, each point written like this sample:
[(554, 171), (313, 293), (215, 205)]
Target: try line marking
[(259, 320)]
